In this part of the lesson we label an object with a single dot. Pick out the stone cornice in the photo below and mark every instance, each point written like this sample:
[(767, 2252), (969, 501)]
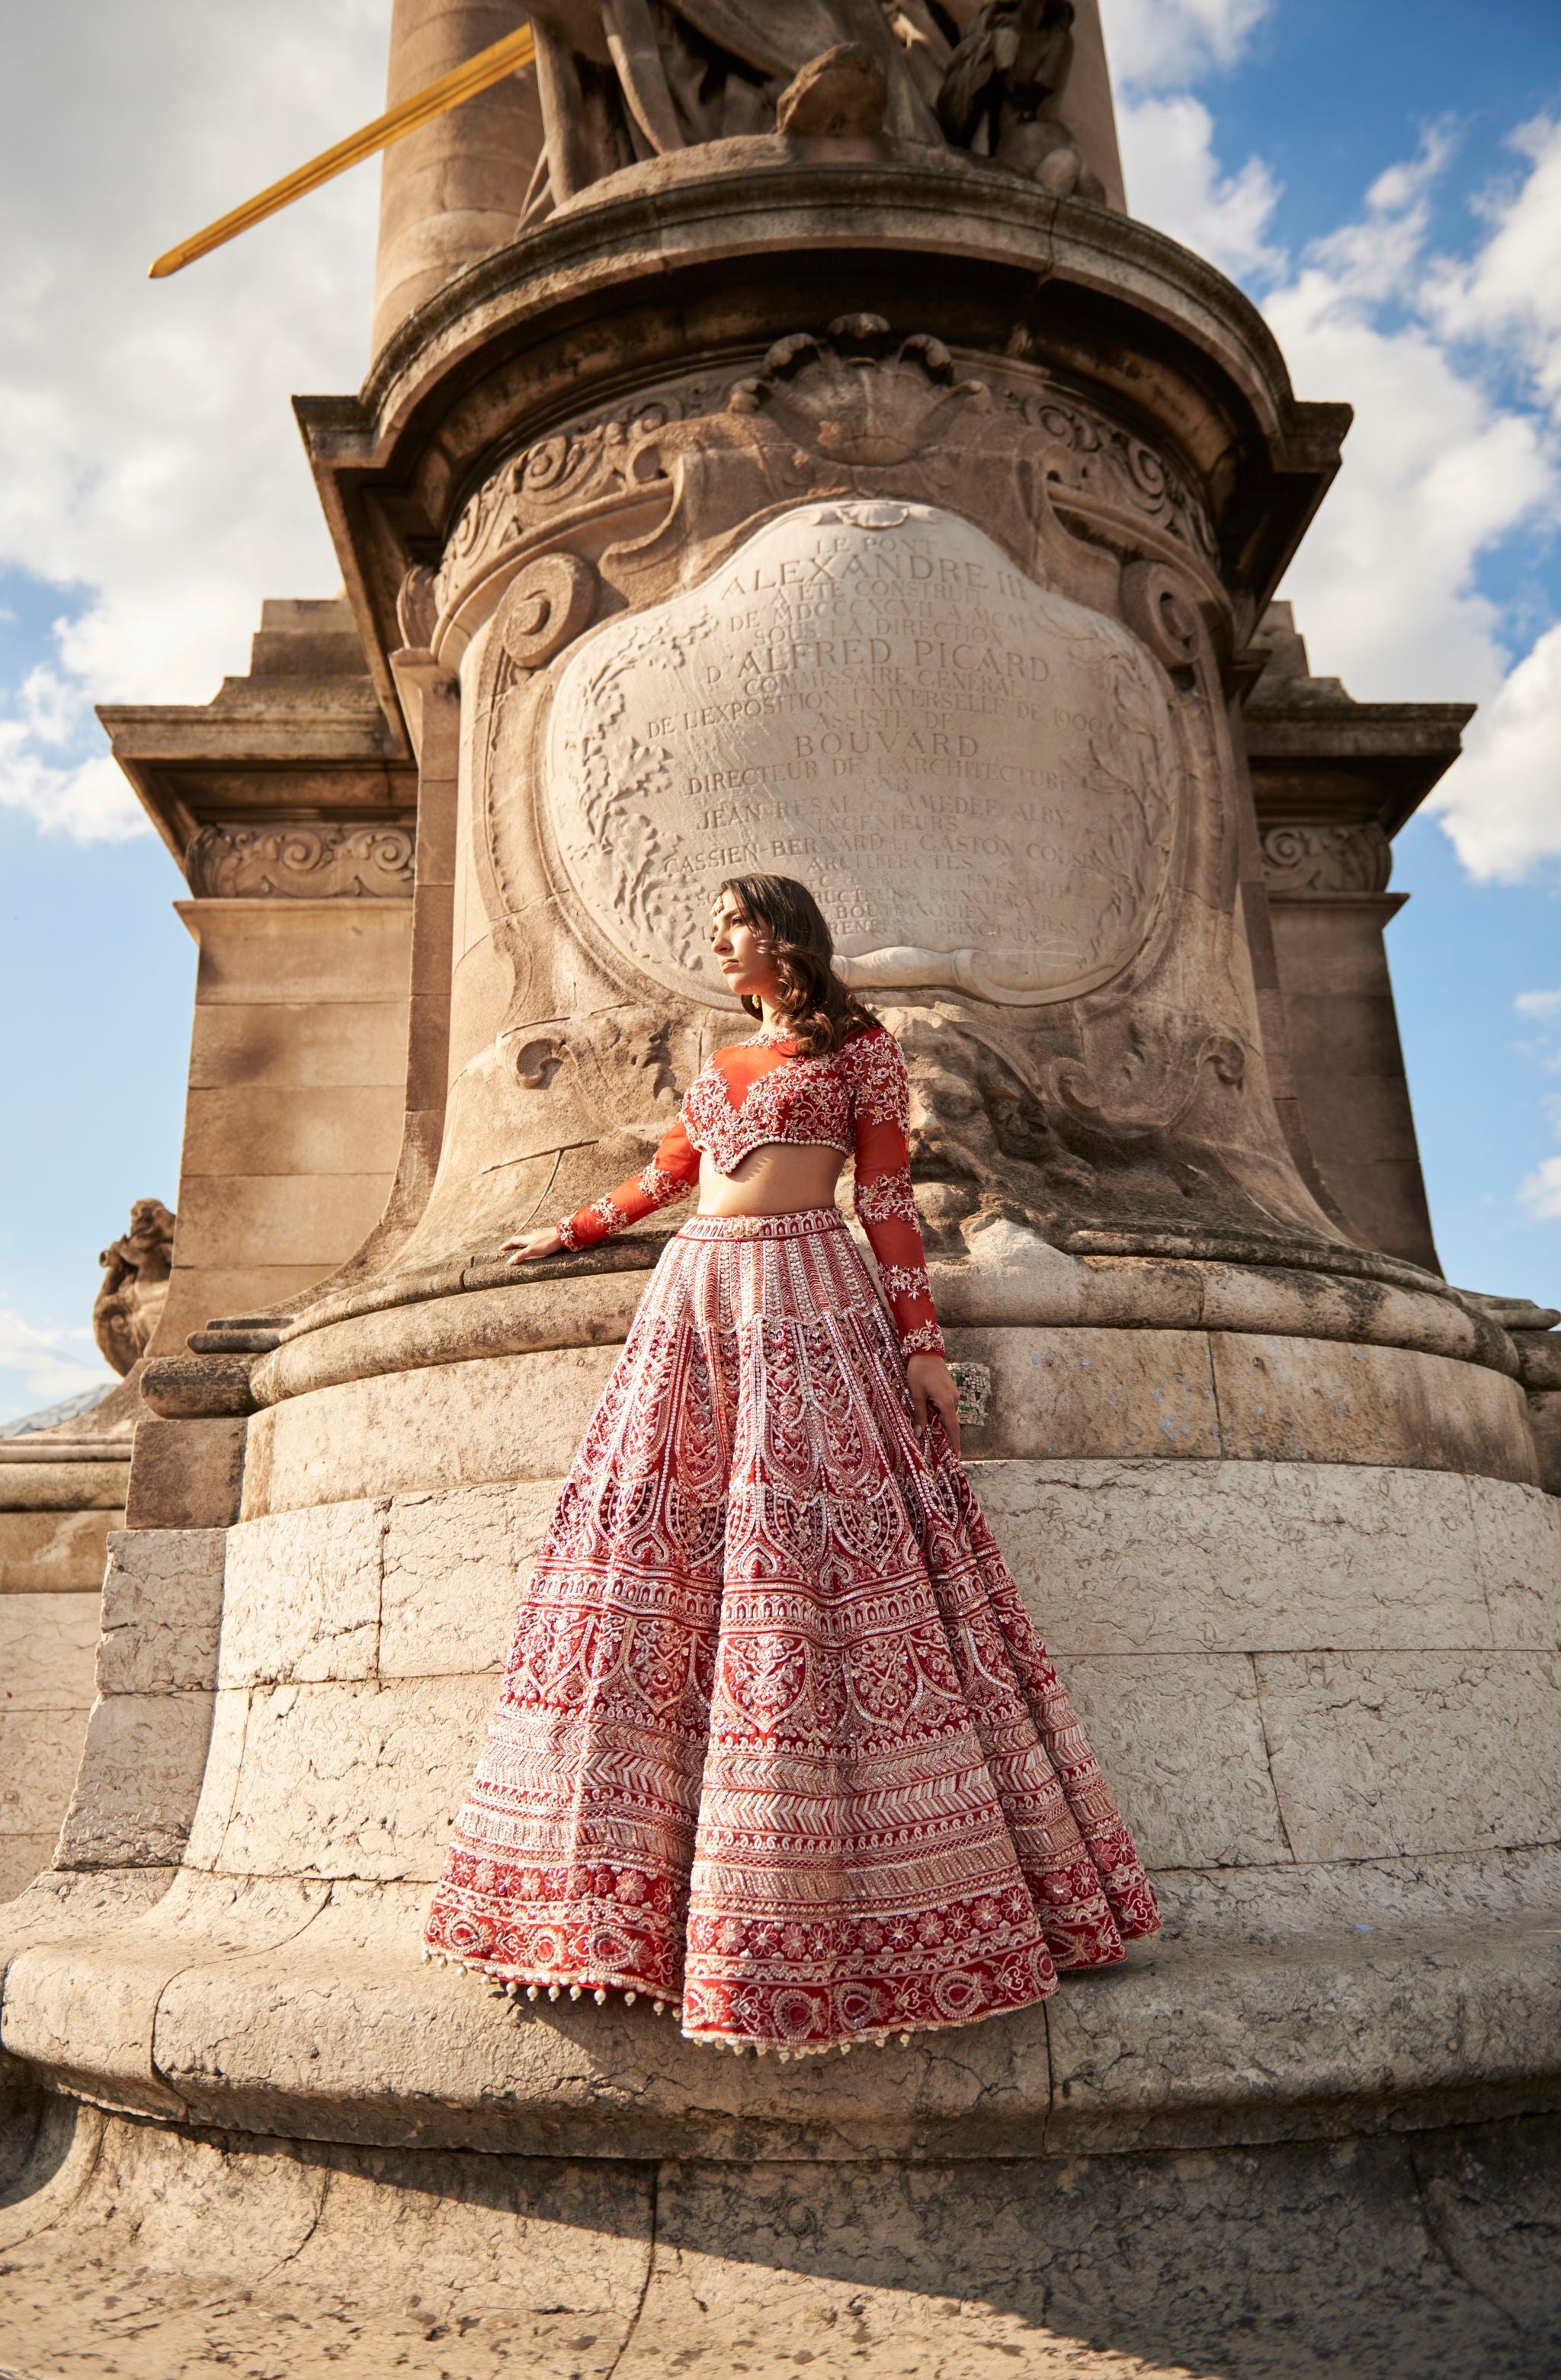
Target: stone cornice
[(711, 255)]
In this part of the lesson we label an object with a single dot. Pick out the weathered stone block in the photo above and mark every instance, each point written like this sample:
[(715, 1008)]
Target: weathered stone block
[(446, 1426), (1518, 1546), (48, 1649), (455, 1569), (40, 1751), (21, 1858), (34, 1487), (219, 1780), (1544, 1422), (339, 1043), (1240, 1557), (1180, 1738), (1094, 1392), (303, 1595), (277, 1219), (1315, 1401), (186, 1474), (87, 2007), (1368, 2020), (1376, 1753), (344, 1780), (140, 1781), (1451, 1894), (292, 1128), (162, 1610), (54, 1553)]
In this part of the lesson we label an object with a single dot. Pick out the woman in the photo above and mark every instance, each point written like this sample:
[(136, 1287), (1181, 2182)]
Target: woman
[(776, 1743)]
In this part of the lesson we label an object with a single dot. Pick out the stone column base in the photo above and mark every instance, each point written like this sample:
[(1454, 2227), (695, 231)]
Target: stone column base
[(158, 2252)]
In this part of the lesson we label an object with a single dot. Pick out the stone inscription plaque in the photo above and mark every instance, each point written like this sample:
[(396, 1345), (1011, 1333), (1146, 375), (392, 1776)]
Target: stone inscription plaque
[(975, 776)]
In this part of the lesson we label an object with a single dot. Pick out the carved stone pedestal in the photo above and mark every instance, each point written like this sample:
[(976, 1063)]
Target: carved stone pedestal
[(892, 524)]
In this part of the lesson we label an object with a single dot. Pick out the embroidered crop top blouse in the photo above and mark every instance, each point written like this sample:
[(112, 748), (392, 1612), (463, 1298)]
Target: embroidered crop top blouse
[(857, 1099)]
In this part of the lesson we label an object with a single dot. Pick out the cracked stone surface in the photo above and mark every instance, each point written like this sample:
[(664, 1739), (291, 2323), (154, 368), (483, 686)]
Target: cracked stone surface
[(48, 1650), (455, 1570), (1275, 1557), (1424, 1752), (156, 2253), (301, 1596), (48, 1643), (138, 1781), (1180, 1736), (354, 1780), (162, 1611)]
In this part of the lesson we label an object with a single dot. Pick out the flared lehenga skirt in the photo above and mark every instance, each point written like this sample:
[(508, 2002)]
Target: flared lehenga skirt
[(777, 1742)]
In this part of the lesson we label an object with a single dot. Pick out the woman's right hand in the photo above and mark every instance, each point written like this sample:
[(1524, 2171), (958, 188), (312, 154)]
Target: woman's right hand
[(535, 1243)]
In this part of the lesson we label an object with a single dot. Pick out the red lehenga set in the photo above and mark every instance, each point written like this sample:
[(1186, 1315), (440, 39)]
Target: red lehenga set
[(776, 1743)]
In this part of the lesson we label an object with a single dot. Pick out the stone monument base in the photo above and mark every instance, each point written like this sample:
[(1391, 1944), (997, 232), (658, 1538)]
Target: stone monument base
[(153, 2252)]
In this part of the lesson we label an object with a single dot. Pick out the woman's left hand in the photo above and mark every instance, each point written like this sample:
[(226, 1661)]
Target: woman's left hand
[(932, 1385)]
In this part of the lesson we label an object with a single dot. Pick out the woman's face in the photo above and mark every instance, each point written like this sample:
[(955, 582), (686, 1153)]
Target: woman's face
[(741, 951)]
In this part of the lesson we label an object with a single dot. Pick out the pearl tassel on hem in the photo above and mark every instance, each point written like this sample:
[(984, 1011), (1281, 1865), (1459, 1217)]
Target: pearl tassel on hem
[(506, 1989)]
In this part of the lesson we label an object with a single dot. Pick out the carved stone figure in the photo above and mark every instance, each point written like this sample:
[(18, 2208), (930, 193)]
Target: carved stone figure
[(1002, 93), (623, 80), (135, 1284)]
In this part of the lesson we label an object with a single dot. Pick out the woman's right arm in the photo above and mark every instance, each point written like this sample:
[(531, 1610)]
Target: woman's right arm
[(670, 1175)]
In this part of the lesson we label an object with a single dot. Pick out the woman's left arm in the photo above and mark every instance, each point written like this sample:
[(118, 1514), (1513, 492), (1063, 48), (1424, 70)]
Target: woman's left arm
[(885, 1205)]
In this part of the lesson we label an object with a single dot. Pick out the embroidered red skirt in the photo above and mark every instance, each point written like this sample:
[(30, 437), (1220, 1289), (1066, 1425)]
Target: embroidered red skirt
[(777, 1742)]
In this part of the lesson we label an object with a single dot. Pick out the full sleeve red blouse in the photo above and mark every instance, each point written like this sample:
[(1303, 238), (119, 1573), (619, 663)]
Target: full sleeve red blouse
[(856, 1099)]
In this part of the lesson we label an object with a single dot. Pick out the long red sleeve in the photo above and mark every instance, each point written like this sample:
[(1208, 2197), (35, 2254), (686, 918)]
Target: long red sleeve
[(670, 1175), (884, 1201)]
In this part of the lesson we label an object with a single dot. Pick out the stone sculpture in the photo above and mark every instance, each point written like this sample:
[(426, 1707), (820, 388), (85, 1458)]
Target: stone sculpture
[(135, 1284), (1001, 95), (623, 80)]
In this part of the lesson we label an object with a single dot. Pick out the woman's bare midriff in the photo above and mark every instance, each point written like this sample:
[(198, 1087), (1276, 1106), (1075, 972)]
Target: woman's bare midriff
[(780, 1178)]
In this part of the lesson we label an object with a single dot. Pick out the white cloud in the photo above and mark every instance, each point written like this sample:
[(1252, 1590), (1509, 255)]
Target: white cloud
[(1435, 473), (1510, 291), (1156, 43), (1541, 1192), (1538, 1003), (1440, 467), (1502, 803), (87, 799), (47, 1365), (153, 462), (1175, 182), (1438, 472)]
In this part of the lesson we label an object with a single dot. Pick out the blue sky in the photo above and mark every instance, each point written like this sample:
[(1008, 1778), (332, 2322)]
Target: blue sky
[(1354, 167)]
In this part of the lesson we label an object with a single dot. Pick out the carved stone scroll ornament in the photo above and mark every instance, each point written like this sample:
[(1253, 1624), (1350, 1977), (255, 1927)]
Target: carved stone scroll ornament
[(301, 862), (135, 1284), (1109, 468), (548, 603), (857, 409), (560, 475), (1326, 859)]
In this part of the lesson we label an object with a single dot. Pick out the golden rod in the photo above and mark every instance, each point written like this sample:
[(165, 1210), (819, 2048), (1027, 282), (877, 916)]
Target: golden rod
[(489, 65)]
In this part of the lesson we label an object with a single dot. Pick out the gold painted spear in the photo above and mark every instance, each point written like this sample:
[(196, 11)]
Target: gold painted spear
[(489, 65)]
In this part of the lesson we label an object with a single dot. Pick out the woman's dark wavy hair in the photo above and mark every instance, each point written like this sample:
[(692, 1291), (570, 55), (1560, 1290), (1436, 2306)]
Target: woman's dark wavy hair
[(820, 1009)]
